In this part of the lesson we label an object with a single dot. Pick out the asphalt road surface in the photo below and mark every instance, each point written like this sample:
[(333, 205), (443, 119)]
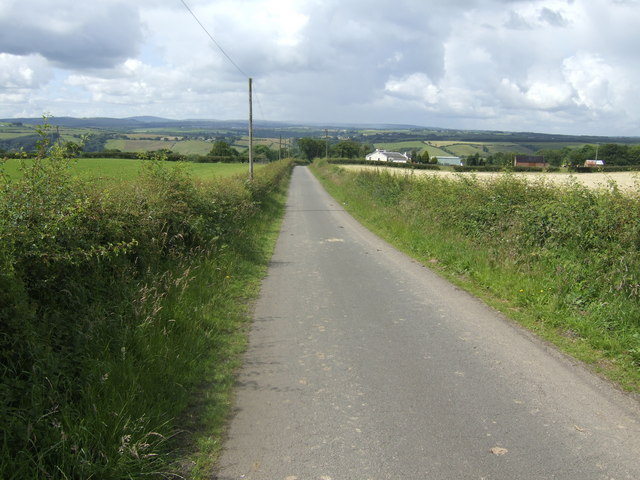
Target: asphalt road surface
[(364, 365)]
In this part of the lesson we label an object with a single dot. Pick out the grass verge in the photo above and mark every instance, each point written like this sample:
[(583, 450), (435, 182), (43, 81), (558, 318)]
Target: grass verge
[(240, 273), (562, 262)]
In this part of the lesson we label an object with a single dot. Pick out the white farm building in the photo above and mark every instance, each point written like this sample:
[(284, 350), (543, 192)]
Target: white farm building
[(384, 156)]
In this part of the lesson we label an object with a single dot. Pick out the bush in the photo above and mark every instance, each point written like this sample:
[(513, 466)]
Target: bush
[(94, 371), (415, 166), (479, 168)]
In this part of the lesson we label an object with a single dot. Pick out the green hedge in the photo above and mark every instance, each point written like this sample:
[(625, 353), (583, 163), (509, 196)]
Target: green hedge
[(605, 169), (90, 364), (409, 165)]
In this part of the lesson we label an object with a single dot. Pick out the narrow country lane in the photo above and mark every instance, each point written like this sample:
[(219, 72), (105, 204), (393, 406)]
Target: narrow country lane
[(364, 365)]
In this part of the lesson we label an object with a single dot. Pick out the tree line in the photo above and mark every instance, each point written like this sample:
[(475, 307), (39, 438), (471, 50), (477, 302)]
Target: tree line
[(308, 148)]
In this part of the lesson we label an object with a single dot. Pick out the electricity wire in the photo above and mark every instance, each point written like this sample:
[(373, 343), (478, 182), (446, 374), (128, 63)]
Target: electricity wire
[(257, 97), (224, 53), (213, 39)]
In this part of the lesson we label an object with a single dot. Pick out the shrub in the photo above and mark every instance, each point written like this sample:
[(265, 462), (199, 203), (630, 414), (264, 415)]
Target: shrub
[(91, 359)]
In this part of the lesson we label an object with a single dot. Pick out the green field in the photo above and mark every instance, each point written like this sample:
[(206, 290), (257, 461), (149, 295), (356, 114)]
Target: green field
[(401, 146), (437, 152), (192, 147), (185, 147), (464, 149), (138, 145), (9, 135), (126, 169), (269, 142)]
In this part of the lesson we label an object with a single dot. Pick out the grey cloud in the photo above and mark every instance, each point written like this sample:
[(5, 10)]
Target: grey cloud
[(517, 22), (553, 18), (400, 38), (349, 50), (106, 38)]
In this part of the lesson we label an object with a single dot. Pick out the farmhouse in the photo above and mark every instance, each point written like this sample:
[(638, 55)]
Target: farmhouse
[(384, 156), (529, 161), (452, 161), (594, 163)]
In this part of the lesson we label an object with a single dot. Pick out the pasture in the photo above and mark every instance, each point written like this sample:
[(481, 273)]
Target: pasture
[(401, 146), (142, 143), (191, 147), (461, 148), (118, 169), (454, 148), (272, 143)]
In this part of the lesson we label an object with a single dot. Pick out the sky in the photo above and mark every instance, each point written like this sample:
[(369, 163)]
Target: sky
[(549, 66)]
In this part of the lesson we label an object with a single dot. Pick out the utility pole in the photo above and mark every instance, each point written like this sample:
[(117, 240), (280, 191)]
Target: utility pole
[(280, 148), (326, 142), (250, 129)]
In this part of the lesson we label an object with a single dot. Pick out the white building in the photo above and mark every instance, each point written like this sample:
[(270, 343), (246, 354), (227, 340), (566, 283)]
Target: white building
[(384, 156), (594, 163)]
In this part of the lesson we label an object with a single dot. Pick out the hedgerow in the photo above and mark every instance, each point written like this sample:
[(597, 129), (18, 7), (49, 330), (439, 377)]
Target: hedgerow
[(96, 364)]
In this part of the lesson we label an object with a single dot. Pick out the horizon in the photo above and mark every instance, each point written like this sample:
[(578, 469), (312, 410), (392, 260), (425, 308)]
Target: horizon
[(484, 65), (294, 124)]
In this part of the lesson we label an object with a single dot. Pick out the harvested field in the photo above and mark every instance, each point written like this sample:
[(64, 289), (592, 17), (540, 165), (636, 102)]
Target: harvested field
[(628, 181)]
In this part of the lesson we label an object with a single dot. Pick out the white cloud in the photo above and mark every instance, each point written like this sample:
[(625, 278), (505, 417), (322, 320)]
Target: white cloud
[(17, 73), (596, 85), (535, 96), (504, 64), (415, 86)]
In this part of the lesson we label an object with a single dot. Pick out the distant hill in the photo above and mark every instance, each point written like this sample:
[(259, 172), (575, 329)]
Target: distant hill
[(159, 122), (370, 133)]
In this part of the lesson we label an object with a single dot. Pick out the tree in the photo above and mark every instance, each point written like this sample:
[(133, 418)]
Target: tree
[(501, 158), (474, 160), (311, 147), (264, 152), (346, 149), (423, 157), (222, 149), (555, 157), (71, 149), (577, 156), (365, 149), (634, 155), (614, 154)]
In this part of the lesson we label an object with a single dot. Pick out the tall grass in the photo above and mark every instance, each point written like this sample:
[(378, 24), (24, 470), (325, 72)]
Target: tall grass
[(116, 303), (564, 261)]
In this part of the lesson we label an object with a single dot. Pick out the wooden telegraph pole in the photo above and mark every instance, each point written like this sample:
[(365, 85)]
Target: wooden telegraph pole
[(326, 143), (250, 130)]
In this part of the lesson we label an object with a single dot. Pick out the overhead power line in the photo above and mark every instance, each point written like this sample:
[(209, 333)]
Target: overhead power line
[(213, 39)]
